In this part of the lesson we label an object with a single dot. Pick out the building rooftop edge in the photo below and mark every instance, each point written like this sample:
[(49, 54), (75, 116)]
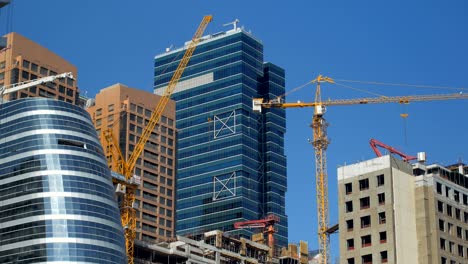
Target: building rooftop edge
[(209, 38)]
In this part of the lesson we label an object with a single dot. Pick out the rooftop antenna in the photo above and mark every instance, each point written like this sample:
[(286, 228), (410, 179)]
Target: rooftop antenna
[(169, 48), (234, 23)]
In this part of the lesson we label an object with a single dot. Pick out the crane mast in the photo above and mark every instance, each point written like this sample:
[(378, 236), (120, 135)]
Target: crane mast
[(320, 143), (126, 168)]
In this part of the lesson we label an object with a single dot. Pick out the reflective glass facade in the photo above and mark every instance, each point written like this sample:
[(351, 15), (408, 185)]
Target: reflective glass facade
[(56, 196), (231, 164)]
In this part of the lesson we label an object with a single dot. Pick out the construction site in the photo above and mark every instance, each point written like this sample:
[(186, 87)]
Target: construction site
[(195, 170)]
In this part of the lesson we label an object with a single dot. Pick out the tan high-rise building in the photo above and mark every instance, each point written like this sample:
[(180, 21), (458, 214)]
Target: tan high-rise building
[(394, 212), (22, 59), (127, 110)]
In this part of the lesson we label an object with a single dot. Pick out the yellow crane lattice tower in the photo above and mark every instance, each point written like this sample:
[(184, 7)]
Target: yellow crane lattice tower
[(116, 160)]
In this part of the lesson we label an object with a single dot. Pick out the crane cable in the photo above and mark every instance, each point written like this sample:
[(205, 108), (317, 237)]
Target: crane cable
[(405, 84), (376, 83), (360, 90)]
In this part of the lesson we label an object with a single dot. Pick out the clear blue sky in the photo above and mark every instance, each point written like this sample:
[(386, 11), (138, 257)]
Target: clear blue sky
[(417, 42)]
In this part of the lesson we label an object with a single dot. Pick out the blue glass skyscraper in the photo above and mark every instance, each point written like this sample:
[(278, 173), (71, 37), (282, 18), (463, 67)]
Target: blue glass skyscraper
[(231, 163), (56, 196)]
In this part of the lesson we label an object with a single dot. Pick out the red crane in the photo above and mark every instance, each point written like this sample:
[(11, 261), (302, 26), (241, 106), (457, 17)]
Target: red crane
[(374, 143), (267, 224)]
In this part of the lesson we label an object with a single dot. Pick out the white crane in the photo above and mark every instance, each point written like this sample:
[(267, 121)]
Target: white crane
[(24, 85)]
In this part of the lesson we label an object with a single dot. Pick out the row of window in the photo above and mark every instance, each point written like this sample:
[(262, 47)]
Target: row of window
[(449, 228), (444, 260), (365, 221), (451, 247), (364, 184), (154, 208), (452, 194), (366, 241), (364, 202), (367, 259), (452, 212)]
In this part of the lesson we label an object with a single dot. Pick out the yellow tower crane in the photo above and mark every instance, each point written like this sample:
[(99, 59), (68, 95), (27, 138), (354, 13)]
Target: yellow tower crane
[(126, 168), (320, 143)]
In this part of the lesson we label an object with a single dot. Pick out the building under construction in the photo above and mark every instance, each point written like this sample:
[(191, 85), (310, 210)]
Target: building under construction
[(392, 211), (216, 247)]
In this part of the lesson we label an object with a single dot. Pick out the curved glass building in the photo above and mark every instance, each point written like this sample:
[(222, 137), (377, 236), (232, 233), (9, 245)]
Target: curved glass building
[(56, 195)]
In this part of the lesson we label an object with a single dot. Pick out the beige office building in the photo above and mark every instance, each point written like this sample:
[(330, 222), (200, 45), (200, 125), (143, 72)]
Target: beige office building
[(394, 212), (22, 59), (127, 110)]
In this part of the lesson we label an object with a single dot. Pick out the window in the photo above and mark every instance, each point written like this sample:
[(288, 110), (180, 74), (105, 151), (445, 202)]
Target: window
[(349, 188), (456, 196), (2, 65), (457, 214), (459, 232), (451, 246), (442, 243), (366, 241), (98, 122), (26, 64), (351, 261), (441, 225), (349, 206), (350, 244), (465, 199), (439, 187), (460, 250), (365, 221), (447, 191), (364, 202), (99, 112), (367, 259), (449, 228), (34, 67), (25, 75), (382, 219), (110, 107), (440, 206), (383, 257), (110, 118), (381, 197), (449, 210), (380, 180), (69, 92), (70, 82), (465, 217), (363, 184), (443, 260), (349, 225), (44, 71), (140, 110), (383, 237)]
